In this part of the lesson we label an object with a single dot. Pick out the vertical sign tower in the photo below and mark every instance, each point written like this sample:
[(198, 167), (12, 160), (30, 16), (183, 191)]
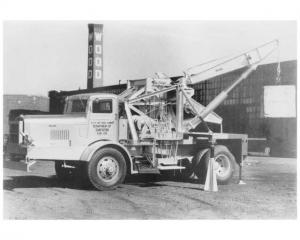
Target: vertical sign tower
[(95, 56)]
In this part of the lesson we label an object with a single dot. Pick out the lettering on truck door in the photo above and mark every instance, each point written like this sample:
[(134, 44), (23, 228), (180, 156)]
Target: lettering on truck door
[(103, 119)]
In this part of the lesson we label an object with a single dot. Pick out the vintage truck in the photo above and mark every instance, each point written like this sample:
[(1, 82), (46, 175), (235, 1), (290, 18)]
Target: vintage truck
[(155, 126)]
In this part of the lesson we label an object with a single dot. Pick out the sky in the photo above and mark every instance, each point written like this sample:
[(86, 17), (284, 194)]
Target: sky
[(40, 56)]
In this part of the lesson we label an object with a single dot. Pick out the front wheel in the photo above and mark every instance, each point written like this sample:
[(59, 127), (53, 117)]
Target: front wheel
[(225, 163), (107, 169)]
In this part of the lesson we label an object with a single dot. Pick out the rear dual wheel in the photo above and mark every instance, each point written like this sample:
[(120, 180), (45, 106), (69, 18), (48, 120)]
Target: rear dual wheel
[(225, 164)]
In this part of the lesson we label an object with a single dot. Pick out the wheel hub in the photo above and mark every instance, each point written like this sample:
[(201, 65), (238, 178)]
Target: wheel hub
[(107, 168), (222, 165)]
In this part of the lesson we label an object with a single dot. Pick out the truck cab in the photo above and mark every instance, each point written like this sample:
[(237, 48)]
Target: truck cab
[(87, 118), (101, 114)]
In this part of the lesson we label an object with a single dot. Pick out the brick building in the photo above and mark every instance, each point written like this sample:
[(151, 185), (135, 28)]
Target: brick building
[(22, 102)]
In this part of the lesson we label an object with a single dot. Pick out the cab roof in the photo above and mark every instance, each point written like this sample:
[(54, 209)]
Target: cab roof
[(94, 95)]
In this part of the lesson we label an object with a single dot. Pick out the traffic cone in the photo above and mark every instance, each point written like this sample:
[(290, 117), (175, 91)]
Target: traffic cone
[(211, 177)]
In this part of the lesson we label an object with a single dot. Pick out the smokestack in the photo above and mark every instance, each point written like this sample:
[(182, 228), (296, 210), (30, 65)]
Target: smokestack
[(95, 56)]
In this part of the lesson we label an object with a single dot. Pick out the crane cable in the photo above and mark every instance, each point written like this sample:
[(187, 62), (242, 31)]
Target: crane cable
[(278, 74)]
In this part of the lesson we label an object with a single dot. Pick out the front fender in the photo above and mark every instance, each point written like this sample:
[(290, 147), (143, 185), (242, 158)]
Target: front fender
[(93, 147)]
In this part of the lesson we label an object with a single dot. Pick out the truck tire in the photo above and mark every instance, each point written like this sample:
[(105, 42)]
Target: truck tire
[(106, 169), (223, 157)]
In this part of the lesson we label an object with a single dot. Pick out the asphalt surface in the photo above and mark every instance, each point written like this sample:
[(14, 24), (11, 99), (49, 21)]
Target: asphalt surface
[(269, 193)]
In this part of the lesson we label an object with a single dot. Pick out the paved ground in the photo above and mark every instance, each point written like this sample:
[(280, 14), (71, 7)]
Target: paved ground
[(270, 193)]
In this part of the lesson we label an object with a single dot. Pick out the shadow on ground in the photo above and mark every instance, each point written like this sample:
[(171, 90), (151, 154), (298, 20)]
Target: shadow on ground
[(80, 184), (43, 182), (159, 181)]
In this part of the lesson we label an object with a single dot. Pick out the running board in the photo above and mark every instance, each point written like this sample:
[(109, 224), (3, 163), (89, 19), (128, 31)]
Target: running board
[(171, 160), (170, 167), (149, 171)]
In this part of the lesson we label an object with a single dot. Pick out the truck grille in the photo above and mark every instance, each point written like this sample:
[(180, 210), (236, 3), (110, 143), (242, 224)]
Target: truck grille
[(56, 134)]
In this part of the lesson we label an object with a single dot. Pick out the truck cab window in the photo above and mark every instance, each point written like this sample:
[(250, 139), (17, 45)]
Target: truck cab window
[(102, 106), (76, 106)]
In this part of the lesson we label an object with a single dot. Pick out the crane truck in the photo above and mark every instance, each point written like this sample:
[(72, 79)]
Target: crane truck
[(151, 127)]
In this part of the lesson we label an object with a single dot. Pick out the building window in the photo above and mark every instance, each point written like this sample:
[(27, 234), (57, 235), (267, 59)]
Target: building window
[(90, 74), (98, 49), (98, 73), (98, 61)]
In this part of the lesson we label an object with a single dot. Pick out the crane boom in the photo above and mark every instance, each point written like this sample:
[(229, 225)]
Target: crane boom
[(207, 70), (155, 97)]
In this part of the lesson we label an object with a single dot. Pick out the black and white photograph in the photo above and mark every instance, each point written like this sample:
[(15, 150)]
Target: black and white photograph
[(149, 119)]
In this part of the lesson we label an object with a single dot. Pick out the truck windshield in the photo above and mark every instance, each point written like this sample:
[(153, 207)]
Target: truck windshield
[(76, 106)]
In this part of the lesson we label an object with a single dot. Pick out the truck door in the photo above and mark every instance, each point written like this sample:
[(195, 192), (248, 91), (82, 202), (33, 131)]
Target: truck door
[(103, 119)]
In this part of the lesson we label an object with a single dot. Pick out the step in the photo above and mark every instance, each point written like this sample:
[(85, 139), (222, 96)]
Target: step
[(170, 167), (148, 171), (167, 161), (172, 161)]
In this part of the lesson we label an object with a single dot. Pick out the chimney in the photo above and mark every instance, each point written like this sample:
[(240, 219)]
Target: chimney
[(95, 56)]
